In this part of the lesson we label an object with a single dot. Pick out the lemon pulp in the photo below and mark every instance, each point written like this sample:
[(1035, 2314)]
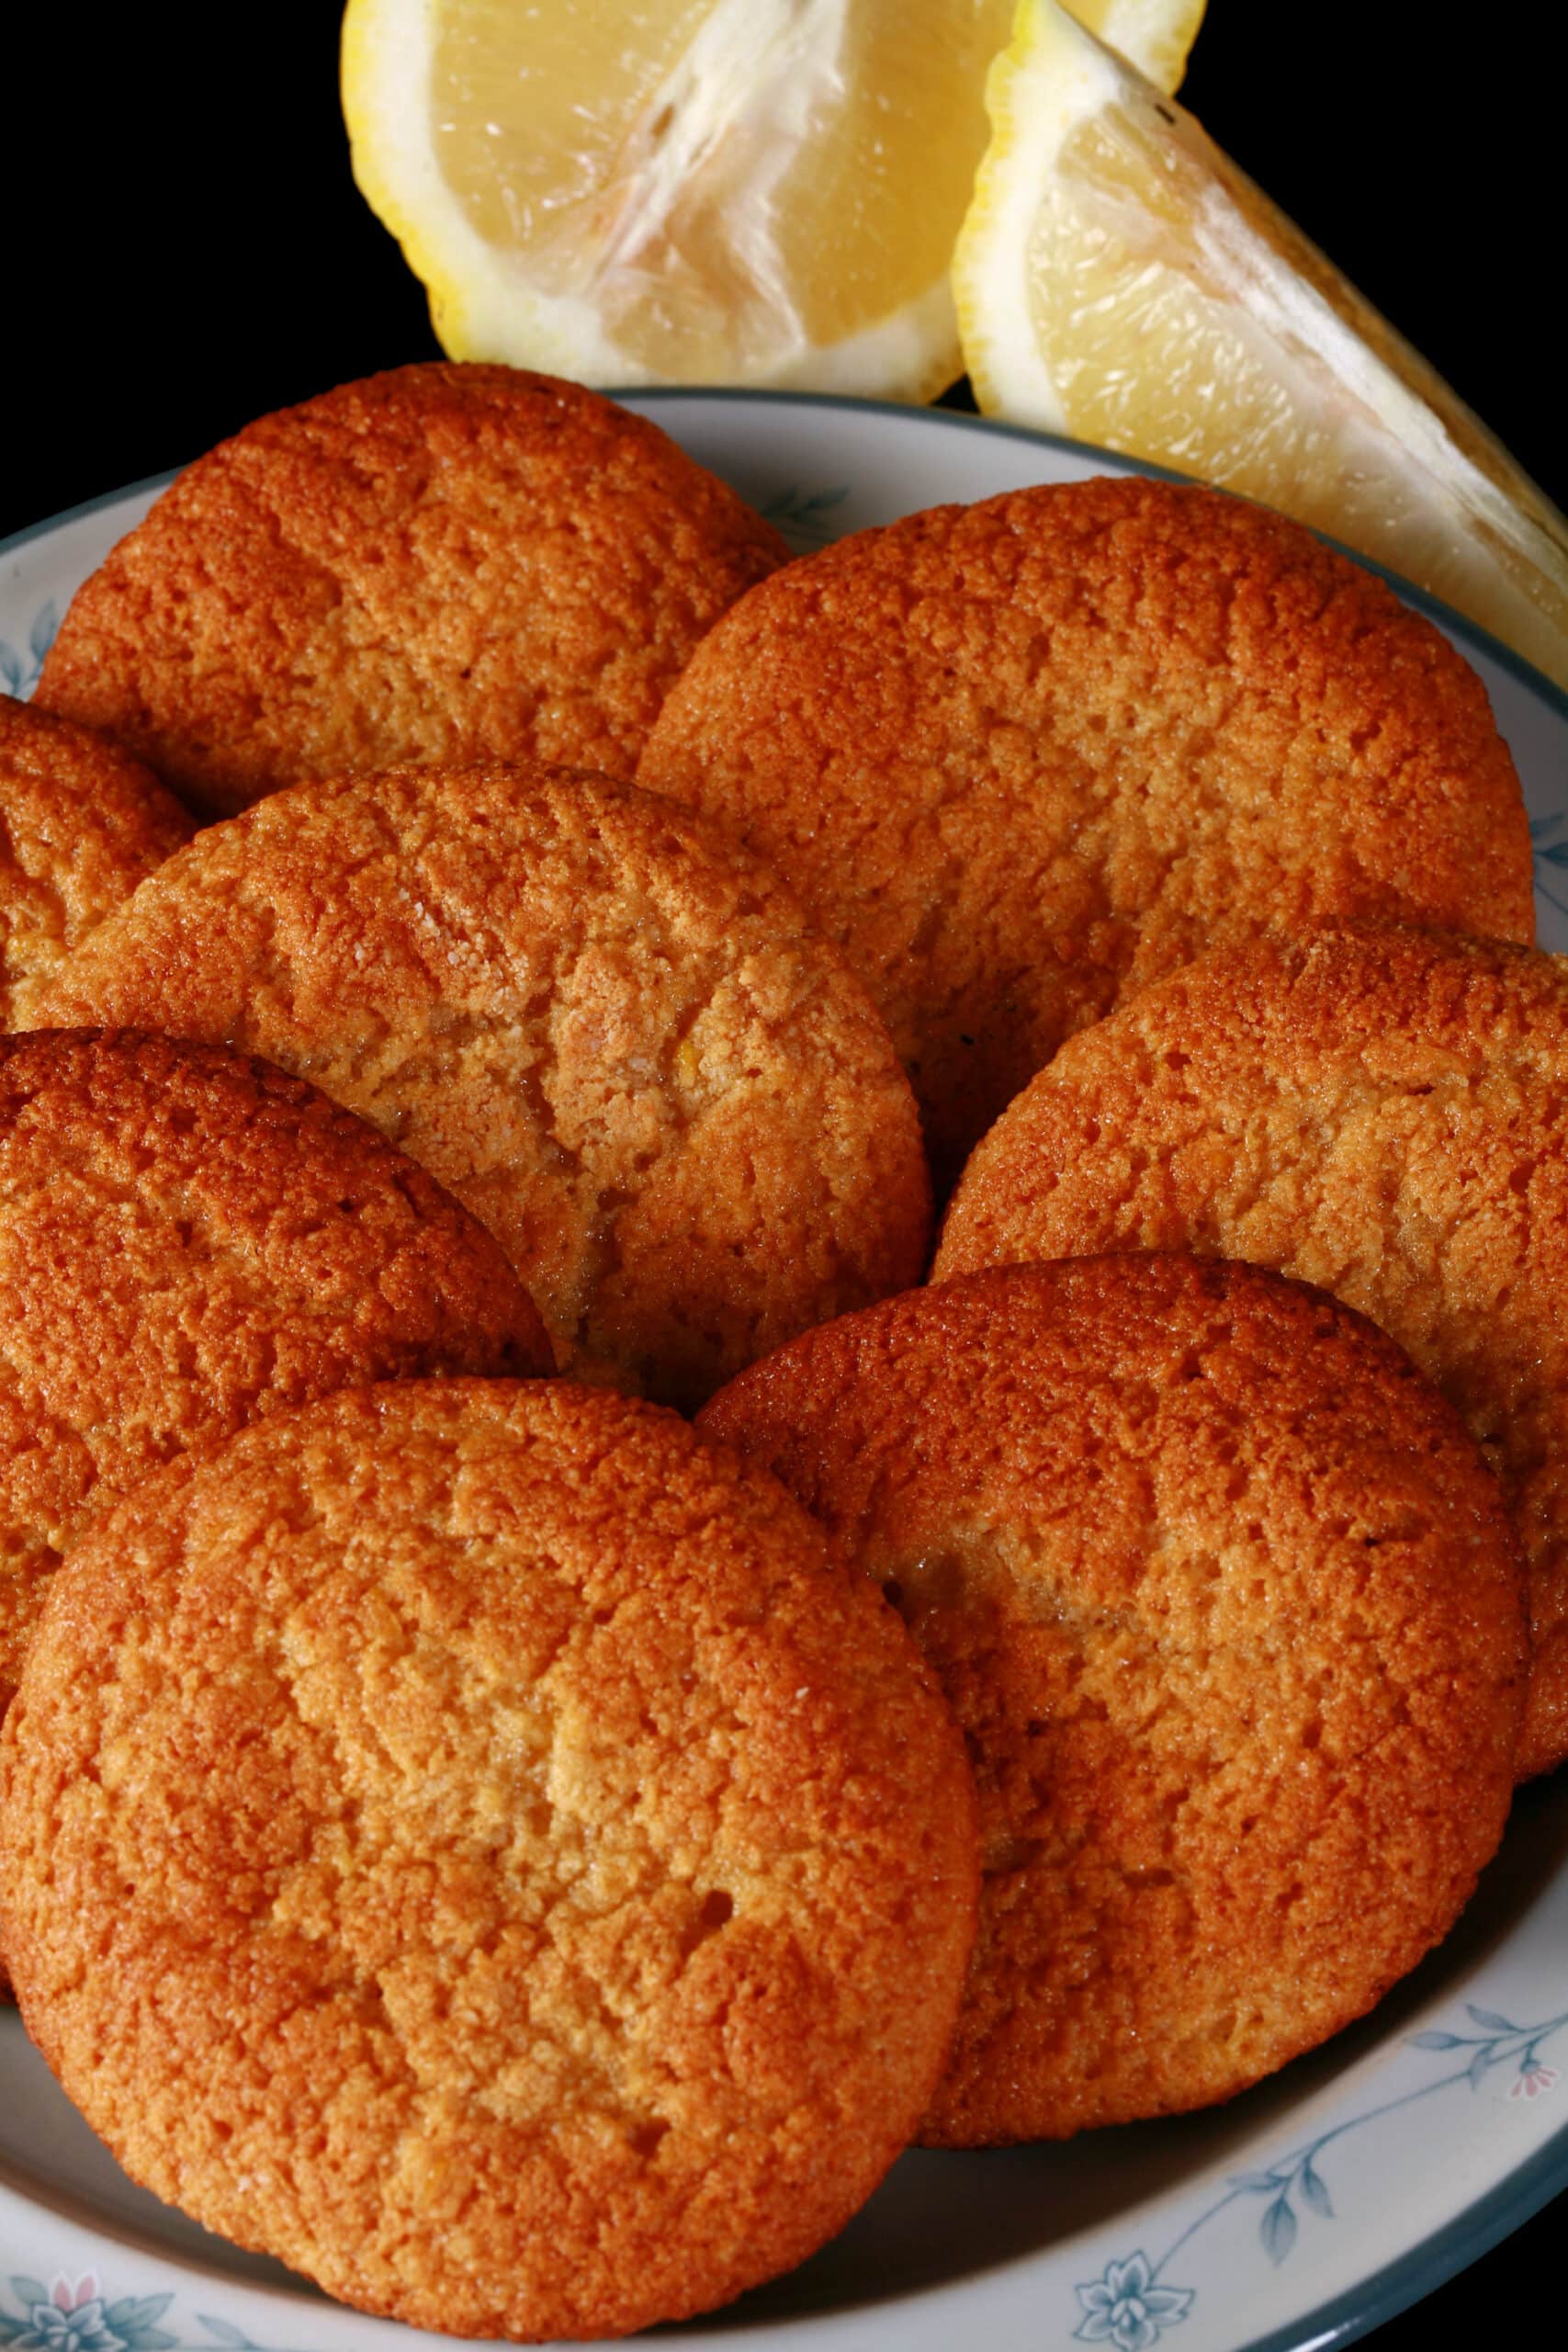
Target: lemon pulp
[(1121, 279), (741, 191)]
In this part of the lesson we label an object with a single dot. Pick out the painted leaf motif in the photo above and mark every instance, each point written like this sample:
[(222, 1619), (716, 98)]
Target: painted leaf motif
[(1315, 2189), (41, 636), (1277, 2230), (1485, 2056), (1263, 2184), (29, 2292), (1489, 2018), (225, 2332), (1436, 2041), (11, 671)]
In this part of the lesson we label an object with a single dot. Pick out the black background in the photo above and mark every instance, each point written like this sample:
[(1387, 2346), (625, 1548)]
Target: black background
[(184, 249)]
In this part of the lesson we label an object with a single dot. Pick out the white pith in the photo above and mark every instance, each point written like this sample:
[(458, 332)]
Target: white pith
[(756, 69)]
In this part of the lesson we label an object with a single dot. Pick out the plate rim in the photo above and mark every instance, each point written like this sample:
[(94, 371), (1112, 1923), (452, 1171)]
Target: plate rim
[(1421, 2268), (1120, 461), (996, 427), (49, 523)]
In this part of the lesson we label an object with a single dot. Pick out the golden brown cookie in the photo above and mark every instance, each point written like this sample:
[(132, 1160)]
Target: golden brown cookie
[(598, 1021), (521, 1884), (440, 564), (1228, 1606), (1021, 757), (1381, 1111), (188, 1241), (80, 824)]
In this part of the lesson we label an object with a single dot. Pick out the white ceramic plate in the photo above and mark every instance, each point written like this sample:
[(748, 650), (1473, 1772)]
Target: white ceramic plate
[(1302, 2214)]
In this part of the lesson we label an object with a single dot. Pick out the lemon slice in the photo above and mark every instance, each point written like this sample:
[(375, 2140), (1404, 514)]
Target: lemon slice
[(696, 191), (1153, 34), (1117, 278)]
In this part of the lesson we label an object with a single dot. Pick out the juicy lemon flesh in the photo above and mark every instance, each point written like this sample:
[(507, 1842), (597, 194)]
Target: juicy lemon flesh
[(753, 191), (1225, 394), (1176, 314), (726, 182)]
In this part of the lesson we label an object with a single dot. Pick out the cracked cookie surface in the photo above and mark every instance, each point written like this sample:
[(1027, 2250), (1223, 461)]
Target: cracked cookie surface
[(444, 562), (1379, 1111), (189, 1240), (599, 1022), (1228, 1606), (80, 824), (1023, 757), (466, 1839)]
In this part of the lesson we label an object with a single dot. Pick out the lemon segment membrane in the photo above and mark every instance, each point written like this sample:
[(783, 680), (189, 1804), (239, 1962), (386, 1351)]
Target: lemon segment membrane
[(744, 191), (1121, 280), (693, 191)]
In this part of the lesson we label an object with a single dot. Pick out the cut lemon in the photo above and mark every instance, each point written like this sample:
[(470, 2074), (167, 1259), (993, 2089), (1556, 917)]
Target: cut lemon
[(697, 191), (1117, 278), (1153, 34)]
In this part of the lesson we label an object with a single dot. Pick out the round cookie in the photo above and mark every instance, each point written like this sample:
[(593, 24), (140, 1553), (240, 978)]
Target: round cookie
[(527, 1890), (1023, 757), (1228, 1606), (440, 564), (80, 824), (605, 1026), (189, 1240), (1382, 1111)]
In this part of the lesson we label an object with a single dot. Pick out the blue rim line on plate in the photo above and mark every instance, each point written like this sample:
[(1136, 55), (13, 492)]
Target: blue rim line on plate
[(1420, 2271), (53, 522), (1544, 2174)]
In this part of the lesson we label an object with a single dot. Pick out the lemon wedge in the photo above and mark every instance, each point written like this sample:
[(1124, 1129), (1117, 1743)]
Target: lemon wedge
[(1153, 34), (693, 191), (1117, 278)]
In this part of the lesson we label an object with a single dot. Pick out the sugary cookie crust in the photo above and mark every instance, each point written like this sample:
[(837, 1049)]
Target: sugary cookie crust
[(444, 562), (1228, 1607), (80, 824), (1382, 1111), (602, 1025), (465, 1840), (187, 1240), (1023, 757)]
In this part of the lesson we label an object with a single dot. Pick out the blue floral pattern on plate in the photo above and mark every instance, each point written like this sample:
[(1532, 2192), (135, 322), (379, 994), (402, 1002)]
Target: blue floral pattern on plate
[(18, 673), (1126, 2309), (1548, 839), (805, 518), (71, 2315), (1125, 2306)]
